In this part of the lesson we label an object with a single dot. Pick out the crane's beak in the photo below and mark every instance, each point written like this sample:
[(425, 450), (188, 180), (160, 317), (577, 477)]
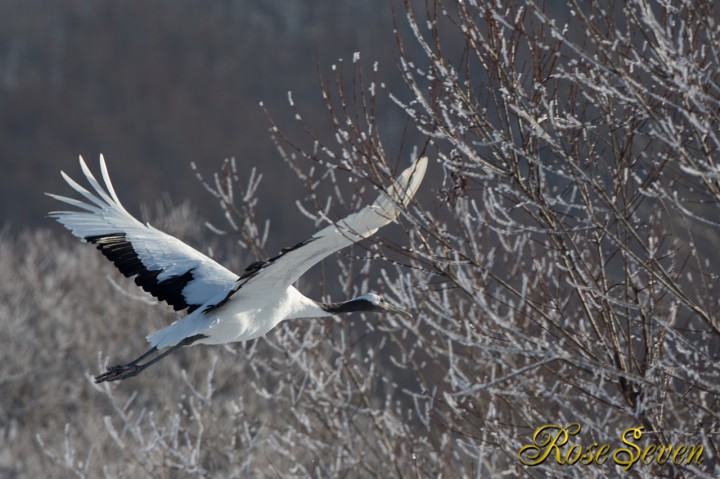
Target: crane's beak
[(394, 309)]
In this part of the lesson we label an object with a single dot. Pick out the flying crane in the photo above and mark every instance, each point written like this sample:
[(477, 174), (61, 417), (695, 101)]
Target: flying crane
[(222, 306)]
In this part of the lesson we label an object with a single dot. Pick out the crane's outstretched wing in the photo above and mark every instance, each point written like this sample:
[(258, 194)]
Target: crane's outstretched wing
[(264, 277), (162, 265)]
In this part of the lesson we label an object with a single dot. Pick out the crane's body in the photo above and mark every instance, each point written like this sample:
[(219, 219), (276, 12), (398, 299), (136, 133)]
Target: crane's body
[(239, 319), (222, 307)]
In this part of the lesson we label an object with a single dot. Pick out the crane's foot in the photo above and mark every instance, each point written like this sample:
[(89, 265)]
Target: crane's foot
[(116, 373)]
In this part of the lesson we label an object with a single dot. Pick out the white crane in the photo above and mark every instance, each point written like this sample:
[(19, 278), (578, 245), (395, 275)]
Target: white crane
[(222, 306)]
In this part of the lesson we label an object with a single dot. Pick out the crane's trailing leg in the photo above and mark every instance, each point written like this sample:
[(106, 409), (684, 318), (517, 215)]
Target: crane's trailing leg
[(123, 371), (133, 368)]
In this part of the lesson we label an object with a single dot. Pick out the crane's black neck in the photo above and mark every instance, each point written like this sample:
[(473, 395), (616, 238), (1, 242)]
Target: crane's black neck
[(351, 306)]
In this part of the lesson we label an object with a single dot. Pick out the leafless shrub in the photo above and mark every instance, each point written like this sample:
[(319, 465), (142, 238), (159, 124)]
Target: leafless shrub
[(566, 274)]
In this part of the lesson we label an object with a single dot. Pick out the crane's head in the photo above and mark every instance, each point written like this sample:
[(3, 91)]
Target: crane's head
[(373, 302)]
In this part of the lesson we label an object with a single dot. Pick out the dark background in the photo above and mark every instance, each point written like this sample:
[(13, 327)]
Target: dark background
[(157, 85)]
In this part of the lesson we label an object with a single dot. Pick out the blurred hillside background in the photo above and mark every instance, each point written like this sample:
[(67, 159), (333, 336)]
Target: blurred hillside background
[(157, 85)]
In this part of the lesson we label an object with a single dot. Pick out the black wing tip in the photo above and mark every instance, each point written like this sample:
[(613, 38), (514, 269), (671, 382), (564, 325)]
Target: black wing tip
[(118, 249)]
